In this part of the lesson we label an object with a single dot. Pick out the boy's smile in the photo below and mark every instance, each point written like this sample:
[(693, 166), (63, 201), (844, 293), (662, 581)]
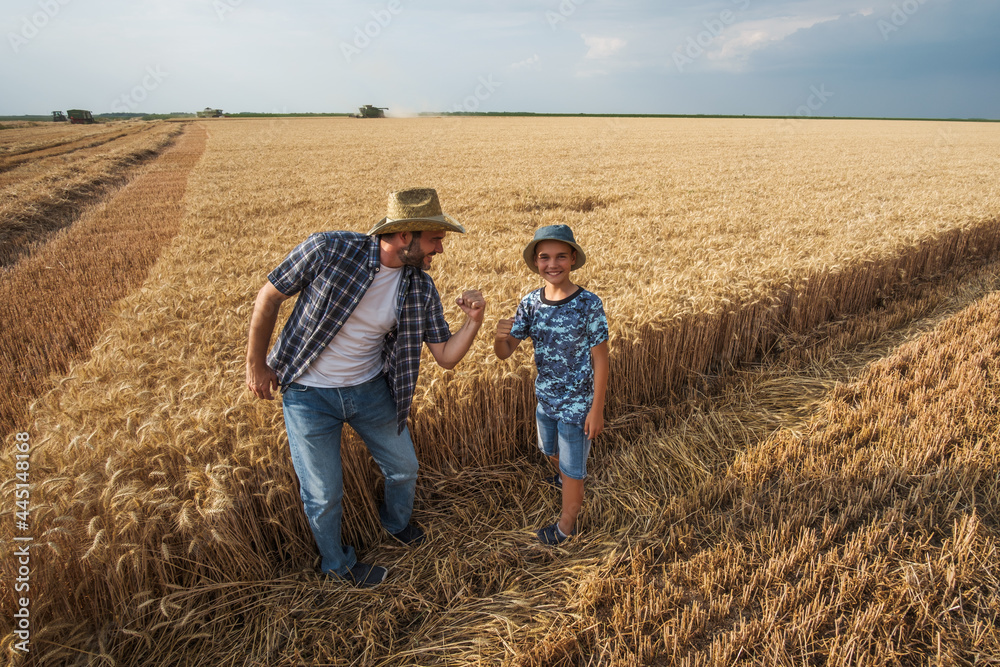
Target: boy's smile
[(554, 260)]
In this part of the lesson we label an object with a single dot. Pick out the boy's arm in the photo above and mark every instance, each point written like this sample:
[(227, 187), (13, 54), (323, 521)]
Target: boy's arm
[(503, 343), (595, 418)]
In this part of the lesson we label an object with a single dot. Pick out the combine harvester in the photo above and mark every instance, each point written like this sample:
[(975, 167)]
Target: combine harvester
[(368, 111), (80, 117)]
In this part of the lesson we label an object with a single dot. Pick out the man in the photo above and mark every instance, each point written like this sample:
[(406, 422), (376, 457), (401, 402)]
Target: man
[(350, 353)]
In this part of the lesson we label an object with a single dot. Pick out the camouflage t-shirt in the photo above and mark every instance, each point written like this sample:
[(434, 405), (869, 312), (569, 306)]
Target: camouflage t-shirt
[(563, 333)]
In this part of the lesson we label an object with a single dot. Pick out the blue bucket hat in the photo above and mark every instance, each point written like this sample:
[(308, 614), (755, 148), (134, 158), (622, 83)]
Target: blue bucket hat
[(554, 233)]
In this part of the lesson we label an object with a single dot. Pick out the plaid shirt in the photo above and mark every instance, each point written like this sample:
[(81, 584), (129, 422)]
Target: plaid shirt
[(333, 270)]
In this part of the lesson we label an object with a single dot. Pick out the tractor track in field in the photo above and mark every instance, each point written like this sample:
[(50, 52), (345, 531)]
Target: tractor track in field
[(22, 166), (37, 196), (74, 278), (737, 410), (60, 148)]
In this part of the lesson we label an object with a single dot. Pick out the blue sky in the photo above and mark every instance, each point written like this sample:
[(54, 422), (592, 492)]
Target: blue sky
[(899, 58)]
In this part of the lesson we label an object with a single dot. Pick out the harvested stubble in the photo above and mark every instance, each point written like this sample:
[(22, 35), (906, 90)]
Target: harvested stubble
[(808, 548), (48, 175), (53, 303), (709, 241), (871, 537)]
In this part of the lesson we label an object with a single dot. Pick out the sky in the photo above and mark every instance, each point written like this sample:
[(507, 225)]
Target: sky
[(881, 58)]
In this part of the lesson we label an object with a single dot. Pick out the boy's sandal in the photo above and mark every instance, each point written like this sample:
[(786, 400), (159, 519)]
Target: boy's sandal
[(552, 534), (554, 480)]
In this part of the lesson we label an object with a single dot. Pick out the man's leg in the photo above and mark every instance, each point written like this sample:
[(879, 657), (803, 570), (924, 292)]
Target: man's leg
[(374, 419), (314, 419)]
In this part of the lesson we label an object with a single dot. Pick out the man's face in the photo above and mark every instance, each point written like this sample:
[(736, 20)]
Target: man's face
[(421, 248)]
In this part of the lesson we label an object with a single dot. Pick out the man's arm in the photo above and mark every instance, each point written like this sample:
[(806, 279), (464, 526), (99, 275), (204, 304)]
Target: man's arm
[(449, 353), (595, 419), (261, 378)]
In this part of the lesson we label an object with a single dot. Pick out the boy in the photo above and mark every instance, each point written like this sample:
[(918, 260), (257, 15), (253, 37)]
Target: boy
[(569, 331)]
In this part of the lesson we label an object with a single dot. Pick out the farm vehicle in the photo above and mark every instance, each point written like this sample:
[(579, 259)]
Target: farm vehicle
[(368, 111), (80, 117)]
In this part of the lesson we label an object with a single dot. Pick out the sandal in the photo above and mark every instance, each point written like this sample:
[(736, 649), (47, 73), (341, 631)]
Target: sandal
[(554, 480), (552, 535)]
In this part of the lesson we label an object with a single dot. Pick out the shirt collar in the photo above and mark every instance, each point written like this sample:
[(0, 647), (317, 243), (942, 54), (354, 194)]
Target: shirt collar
[(373, 253)]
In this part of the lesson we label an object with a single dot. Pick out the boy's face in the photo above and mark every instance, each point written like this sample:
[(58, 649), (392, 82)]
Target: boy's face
[(554, 260)]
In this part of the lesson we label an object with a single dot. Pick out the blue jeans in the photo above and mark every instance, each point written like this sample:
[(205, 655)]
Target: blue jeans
[(314, 418), (565, 441)]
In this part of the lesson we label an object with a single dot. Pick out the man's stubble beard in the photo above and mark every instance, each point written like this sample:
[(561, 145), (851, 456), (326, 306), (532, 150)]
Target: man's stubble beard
[(412, 255)]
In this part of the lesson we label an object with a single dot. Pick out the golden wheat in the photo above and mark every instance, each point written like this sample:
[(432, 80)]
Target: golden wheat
[(166, 502), (47, 174), (72, 279)]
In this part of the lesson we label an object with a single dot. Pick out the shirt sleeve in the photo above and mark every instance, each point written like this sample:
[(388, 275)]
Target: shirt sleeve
[(300, 267), (436, 329), (521, 328), (597, 329)]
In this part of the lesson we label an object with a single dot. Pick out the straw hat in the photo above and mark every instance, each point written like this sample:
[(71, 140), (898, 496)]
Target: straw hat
[(554, 233), (415, 210)]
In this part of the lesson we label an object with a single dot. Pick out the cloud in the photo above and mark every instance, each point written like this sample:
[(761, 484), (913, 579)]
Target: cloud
[(735, 49), (602, 47)]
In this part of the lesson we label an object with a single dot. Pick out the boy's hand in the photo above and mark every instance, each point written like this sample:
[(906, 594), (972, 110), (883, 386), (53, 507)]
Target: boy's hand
[(472, 304), (594, 424), (504, 327), (503, 343)]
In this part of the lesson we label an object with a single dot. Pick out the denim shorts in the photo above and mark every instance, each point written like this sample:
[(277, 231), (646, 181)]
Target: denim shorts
[(566, 441)]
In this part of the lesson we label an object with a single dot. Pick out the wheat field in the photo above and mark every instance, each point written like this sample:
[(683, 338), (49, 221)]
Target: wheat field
[(735, 515), (47, 173), (99, 255)]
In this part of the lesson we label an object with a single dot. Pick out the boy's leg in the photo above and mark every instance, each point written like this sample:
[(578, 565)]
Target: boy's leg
[(548, 443), (548, 436), (574, 448), (572, 501)]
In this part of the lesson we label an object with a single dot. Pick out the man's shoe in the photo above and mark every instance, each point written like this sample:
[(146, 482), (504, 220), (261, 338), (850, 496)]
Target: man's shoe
[(364, 575), (411, 536)]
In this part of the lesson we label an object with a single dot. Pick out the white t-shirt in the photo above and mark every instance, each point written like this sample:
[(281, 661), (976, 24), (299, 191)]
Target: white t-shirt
[(354, 356)]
